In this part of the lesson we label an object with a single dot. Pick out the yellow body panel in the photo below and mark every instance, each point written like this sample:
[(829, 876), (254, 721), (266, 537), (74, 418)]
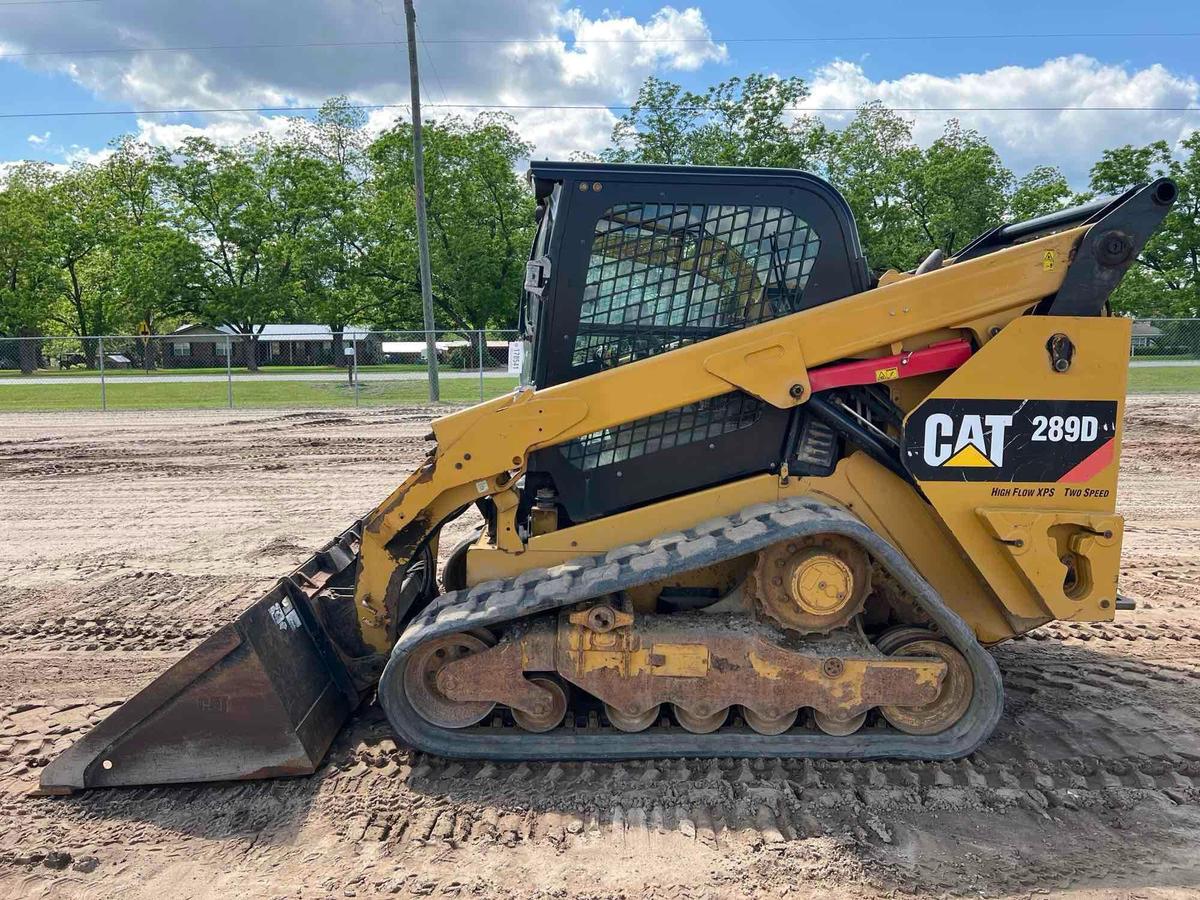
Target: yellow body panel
[(984, 515), (482, 450)]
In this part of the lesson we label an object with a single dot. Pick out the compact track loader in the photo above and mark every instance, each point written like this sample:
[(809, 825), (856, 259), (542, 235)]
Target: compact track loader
[(748, 500)]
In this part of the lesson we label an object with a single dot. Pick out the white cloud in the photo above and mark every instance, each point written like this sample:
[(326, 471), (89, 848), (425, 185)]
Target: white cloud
[(556, 136), (38, 139), (224, 130), (606, 48), (77, 155), (1070, 139), (560, 68), (574, 60)]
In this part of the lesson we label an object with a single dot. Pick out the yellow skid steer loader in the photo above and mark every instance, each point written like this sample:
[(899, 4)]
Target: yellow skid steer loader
[(747, 501)]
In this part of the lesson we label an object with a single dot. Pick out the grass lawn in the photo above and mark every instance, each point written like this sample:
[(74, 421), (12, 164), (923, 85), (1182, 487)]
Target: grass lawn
[(246, 395), (1164, 380), (220, 370), (303, 394)]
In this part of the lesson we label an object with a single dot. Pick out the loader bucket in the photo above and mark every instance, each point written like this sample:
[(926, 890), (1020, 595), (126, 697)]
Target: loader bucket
[(262, 697)]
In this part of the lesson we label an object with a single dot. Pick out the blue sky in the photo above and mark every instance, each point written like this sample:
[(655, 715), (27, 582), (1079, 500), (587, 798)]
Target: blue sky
[(1041, 68)]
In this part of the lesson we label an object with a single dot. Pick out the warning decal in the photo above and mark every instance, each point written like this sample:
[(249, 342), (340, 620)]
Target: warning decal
[(1010, 440)]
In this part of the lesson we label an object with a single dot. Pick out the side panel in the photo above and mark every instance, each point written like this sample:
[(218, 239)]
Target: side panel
[(1020, 460)]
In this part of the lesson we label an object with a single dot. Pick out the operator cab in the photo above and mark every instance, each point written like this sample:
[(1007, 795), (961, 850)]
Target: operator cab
[(634, 260), (631, 261)]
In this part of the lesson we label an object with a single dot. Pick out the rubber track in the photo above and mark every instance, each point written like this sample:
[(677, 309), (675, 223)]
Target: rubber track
[(541, 591)]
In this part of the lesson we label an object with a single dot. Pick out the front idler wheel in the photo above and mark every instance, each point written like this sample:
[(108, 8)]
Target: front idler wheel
[(421, 688), (952, 701)]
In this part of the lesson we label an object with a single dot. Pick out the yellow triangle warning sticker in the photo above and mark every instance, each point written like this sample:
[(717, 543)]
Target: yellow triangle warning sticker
[(970, 457)]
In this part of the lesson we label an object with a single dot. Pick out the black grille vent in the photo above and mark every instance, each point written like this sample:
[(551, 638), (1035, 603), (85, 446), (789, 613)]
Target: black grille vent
[(673, 428), (661, 276)]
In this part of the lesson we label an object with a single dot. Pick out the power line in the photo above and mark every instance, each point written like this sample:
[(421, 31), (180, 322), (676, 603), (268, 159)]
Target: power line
[(94, 51), (311, 45), (596, 106), (43, 2), (831, 39), (432, 67)]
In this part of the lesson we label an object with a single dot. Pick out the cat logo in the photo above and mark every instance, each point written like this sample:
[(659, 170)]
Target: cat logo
[(975, 442), (993, 439)]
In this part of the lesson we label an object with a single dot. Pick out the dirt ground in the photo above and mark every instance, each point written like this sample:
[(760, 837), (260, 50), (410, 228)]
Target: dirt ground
[(128, 537)]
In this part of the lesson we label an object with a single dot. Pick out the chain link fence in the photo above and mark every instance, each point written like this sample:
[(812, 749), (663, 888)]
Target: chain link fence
[(283, 367), (1165, 340), (300, 367)]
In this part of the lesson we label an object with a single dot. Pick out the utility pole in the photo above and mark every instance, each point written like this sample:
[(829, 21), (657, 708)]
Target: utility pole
[(410, 18)]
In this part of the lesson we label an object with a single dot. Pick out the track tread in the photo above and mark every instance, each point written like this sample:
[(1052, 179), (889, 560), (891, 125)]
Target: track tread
[(540, 591)]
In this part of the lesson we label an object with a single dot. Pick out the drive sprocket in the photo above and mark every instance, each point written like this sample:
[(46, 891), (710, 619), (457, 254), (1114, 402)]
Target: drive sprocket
[(811, 585)]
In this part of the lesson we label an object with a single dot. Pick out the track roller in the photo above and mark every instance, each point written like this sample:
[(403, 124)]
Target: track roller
[(631, 721), (556, 708), (701, 724), (769, 724), (838, 727)]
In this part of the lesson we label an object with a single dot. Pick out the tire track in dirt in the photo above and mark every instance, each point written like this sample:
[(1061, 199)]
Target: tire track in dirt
[(380, 799), (1117, 632), (1104, 762), (56, 635), (130, 597)]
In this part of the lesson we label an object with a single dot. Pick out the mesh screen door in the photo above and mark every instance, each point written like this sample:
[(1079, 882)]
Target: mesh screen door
[(661, 276), (675, 428)]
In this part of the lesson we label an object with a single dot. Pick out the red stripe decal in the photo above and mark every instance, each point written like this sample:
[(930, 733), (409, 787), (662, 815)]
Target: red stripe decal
[(934, 358), (1090, 467)]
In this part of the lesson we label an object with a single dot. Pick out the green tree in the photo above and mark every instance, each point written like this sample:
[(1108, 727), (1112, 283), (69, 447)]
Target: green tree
[(659, 127), (1165, 281), (749, 122), (480, 222), (955, 189), (869, 162), (81, 233), (1042, 190), (28, 275), (1123, 167), (246, 211), (337, 293), (739, 122), (154, 261)]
